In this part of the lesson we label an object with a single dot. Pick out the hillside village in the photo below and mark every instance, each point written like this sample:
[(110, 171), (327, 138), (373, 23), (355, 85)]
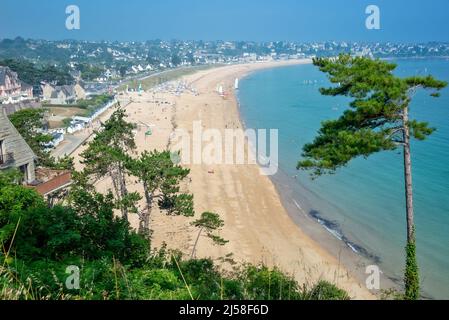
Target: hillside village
[(111, 61)]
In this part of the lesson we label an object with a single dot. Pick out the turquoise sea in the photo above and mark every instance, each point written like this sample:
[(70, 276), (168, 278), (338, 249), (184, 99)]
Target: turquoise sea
[(363, 204)]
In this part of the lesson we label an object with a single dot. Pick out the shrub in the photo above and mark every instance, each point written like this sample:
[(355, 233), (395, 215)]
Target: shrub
[(262, 283), (324, 290)]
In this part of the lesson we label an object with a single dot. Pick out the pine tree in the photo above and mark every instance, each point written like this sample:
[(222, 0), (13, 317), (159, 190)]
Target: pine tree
[(378, 120)]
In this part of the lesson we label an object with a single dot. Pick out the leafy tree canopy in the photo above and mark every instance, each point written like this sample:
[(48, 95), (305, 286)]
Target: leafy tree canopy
[(33, 75), (29, 123)]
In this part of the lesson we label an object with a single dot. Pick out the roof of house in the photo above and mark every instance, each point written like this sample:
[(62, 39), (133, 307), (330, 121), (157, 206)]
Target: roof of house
[(59, 179), (25, 86), (56, 135), (81, 83), (6, 71), (7, 125), (67, 90)]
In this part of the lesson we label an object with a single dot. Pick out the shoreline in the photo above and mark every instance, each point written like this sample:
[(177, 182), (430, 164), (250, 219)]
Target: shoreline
[(324, 232), (289, 212), (258, 224)]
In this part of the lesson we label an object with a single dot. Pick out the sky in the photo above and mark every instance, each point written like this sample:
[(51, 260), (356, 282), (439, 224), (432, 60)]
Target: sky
[(256, 20)]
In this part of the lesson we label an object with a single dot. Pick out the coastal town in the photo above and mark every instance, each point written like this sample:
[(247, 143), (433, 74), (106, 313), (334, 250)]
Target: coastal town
[(227, 158), (110, 62), (97, 69), (67, 90), (75, 82)]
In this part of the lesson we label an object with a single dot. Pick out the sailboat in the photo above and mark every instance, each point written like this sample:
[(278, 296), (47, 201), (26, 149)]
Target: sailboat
[(236, 84)]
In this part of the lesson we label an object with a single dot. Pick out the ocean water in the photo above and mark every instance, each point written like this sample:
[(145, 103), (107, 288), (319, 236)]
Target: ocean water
[(364, 203)]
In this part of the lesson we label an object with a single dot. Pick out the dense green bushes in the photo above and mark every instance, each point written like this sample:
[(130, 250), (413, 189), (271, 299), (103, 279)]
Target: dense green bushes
[(94, 101), (186, 280), (33, 75), (114, 261)]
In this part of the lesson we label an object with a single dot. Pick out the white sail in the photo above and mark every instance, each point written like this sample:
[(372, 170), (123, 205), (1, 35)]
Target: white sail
[(236, 84)]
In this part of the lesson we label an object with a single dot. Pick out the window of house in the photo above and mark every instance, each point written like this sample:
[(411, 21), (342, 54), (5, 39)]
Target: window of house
[(2, 160), (24, 170)]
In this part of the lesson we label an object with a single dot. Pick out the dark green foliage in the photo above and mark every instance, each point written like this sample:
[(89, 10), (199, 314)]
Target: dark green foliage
[(411, 277), (262, 283), (111, 143), (114, 262), (28, 122), (48, 278), (108, 155), (87, 229), (104, 234), (153, 61), (59, 233), (324, 290), (89, 72), (64, 163), (34, 75), (161, 180), (202, 276), (48, 233), (110, 146), (176, 60), (209, 222), (94, 101), (66, 122), (14, 199)]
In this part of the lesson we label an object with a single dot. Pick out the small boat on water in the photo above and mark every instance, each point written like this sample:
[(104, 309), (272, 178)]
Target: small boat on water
[(236, 84)]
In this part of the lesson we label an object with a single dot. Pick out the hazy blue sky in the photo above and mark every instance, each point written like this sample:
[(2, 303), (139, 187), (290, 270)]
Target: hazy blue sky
[(297, 20)]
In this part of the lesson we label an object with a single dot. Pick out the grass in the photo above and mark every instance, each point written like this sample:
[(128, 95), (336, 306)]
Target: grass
[(166, 76), (61, 114)]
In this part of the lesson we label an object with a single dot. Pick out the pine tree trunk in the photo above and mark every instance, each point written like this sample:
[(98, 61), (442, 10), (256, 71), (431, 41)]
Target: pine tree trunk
[(114, 179), (123, 191), (408, 180), (411, 272), (145, 222), (196, 243)]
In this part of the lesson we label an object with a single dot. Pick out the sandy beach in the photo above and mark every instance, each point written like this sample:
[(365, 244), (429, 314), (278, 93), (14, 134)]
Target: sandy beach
[(257, 225)]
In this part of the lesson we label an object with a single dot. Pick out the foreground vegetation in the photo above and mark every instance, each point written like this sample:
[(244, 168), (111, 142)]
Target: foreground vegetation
[(85, 248), (115, 262)]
